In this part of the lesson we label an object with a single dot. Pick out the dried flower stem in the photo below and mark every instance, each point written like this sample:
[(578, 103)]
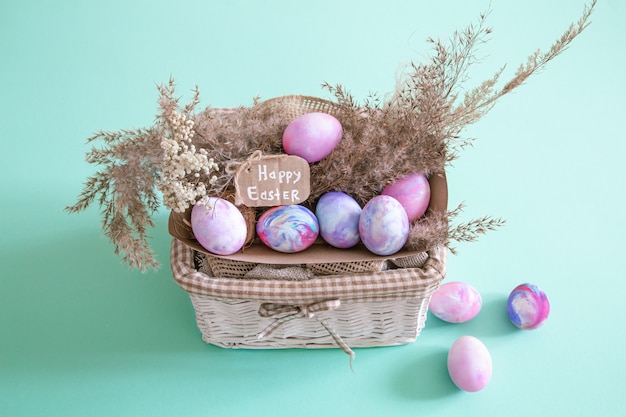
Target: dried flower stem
[(125, 190), (417, 130)]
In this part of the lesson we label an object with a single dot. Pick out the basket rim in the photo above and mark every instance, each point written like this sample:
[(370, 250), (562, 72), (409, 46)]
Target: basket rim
[(392, 284)]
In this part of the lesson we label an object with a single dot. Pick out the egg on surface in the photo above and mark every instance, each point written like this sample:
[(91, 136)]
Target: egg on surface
[(312, 136), (528, 306), (469, 364), (413, 192), (219, 226), (455, 302), (288, 229), (338, 216), (383, 225)]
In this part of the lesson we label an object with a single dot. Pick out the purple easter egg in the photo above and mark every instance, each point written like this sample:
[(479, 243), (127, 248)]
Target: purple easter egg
[(455, 302), (288, 229), (312, 136), (383, 225), (413, 192), (528, 306), (469, 364), (219, 227), (338, 216)]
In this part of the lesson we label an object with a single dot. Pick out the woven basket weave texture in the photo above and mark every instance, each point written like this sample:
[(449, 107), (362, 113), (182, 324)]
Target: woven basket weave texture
[(376, 308)]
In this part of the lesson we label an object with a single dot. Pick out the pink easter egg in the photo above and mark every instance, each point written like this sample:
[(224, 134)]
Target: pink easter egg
[(413, 192), (455, 302), (383, 225), (312, 136), (219, 227), (469, 364)]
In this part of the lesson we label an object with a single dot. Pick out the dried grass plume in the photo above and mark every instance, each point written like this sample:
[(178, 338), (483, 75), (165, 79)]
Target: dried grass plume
[(419, 128)]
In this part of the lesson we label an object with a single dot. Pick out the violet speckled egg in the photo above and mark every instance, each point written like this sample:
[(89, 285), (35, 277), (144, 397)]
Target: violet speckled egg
[(469, 364), (383, 225), (528, 306), (455, 302), (413, 192), (312, 136), (338, 216), (219, 227), (288, 229)]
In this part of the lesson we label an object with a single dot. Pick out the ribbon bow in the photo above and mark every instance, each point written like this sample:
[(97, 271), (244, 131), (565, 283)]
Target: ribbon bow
[(297, 312)]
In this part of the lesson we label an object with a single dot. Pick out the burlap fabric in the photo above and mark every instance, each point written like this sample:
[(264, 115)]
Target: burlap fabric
[(296, 105)]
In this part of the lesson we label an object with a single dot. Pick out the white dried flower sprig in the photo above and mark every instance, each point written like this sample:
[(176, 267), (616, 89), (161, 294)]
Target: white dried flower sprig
[(186, 170)]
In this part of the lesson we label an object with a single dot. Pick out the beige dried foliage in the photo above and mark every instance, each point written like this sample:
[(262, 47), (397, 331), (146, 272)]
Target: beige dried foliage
[(418, 129)]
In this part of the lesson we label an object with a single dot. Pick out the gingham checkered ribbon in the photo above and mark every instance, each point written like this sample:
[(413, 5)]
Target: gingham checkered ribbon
[(394, 284), (297, 312)]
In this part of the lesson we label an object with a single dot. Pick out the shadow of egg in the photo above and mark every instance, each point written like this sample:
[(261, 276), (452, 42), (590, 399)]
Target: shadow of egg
[(426, 378)]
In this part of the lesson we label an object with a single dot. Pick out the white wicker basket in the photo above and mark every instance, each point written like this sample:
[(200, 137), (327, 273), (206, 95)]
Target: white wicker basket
[(326, 297), (361, 309)]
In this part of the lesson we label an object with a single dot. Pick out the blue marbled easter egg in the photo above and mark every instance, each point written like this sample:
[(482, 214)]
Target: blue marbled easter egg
[(288, 229), (528, 306), (338, 216)]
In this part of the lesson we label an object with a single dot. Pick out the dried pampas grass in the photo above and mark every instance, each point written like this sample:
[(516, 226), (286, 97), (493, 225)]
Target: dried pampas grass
[(418, 129)]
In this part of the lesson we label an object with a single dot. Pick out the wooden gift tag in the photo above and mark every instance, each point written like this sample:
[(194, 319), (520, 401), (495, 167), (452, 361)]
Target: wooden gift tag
[(272, 180)]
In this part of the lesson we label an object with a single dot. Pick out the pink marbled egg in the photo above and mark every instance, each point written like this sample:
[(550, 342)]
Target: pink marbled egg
[(413, 192), (312, 136), (456, 302), (219, 227), (469, 364), (383, 225)]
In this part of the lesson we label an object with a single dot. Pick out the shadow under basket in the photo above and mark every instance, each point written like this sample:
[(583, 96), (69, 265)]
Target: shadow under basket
[(382, 303)]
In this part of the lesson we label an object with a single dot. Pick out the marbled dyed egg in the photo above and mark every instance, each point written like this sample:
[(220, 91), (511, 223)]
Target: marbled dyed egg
[(383, 225), (528, 306), (469, 364), (456, 302), (312, 136), (338, 216), (288, 229), (413, 192), (219, 227)]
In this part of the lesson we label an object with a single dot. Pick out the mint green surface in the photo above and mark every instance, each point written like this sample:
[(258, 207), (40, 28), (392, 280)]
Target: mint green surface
[(81, 335)]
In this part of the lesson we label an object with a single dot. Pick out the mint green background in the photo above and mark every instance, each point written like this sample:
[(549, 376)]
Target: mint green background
[(81, 335)]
